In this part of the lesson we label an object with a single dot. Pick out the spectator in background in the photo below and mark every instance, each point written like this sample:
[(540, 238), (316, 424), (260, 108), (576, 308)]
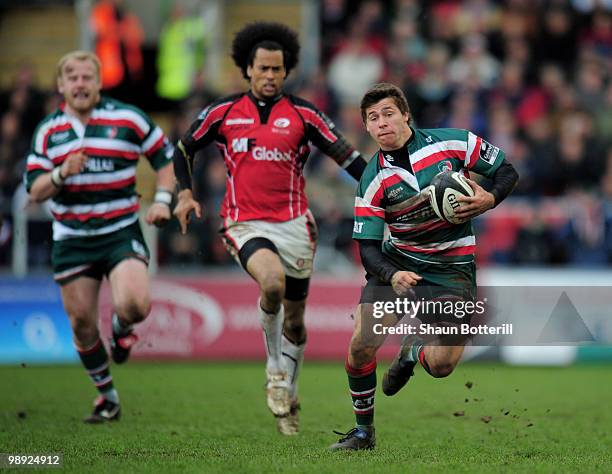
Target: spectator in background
[(557, 39), (477, 16), (355, 67), (181, 54), (606, 190), (360, 59), (21, 107), (466, 113), (599, 35), (431, 93), (474, 63), (13, 149), (541, 158), (603, 117), (590, 82), (25, 99), (118, 39), (407, 51), (537, 243), (334, 16)]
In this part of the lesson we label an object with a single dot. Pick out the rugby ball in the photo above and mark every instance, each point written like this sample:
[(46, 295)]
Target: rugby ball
[(444, 190)]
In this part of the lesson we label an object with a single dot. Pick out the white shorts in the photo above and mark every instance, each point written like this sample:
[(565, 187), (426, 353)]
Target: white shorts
[(295, 240)]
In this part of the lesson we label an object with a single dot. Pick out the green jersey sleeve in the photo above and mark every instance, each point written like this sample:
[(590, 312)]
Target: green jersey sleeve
[(481, 156), (155, 146), (38, 163), (369, 220)]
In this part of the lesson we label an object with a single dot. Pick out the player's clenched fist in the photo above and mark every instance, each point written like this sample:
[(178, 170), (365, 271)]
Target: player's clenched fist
[(74, 164), (185, 205), (475, 205), (158, 214), (402, 281)]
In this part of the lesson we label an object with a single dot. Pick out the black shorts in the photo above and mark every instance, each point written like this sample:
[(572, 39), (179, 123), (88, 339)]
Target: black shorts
[(447, 293)]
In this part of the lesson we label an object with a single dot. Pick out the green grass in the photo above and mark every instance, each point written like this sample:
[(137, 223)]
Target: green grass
[(205, 417)]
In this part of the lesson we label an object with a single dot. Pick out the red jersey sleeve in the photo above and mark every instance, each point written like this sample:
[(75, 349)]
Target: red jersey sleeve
[(203, 131)]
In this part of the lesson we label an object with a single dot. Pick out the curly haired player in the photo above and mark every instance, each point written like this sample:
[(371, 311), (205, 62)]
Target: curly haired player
[(263, 136)]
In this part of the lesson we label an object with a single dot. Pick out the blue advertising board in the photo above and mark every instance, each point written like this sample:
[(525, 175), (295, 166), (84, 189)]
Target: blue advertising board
[(33, 325)]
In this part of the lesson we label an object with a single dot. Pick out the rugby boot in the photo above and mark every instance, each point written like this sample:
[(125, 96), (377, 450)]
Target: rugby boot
[(104, 411), (356, 439)]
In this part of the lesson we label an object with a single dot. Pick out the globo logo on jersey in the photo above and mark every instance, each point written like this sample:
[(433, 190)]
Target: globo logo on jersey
[(261, 153)]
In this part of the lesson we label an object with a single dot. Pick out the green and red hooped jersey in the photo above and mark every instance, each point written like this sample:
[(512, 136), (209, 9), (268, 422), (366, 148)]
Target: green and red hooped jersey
[(101, 199), (392, 195)]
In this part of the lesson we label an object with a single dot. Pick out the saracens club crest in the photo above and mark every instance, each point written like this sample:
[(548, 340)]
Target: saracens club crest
[(445, 166)]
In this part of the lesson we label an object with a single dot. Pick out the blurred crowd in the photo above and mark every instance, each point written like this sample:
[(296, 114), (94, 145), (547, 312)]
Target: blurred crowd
[(531, 76)]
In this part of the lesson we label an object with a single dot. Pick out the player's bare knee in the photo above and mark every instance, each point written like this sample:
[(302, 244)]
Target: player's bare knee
[(361, 353), (85, 330), (141, 311), (134, 311), (273, 289), (441, 369)]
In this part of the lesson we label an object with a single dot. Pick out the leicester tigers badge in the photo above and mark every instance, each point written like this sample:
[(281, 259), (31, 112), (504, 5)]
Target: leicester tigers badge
[(445, 166)]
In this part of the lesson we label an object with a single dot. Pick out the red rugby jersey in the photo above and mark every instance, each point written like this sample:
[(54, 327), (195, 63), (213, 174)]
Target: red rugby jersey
[(265, 145)]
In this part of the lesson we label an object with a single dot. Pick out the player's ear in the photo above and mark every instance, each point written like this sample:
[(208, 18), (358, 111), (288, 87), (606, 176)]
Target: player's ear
[(60, 85), (249, 71)]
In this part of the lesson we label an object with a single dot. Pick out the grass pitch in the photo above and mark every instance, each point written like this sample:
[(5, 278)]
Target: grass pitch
[(211, 417)]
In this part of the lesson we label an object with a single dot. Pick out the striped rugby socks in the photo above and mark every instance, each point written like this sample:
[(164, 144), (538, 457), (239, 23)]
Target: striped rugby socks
[(96, 362)]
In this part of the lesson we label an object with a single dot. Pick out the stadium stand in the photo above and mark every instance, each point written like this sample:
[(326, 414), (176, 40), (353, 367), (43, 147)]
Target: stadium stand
[(535, 79)]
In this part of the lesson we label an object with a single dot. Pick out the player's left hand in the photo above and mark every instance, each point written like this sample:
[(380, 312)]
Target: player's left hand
[(158, 214), (475, 205)]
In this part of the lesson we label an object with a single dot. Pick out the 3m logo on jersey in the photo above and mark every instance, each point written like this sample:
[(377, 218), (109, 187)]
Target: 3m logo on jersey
[(242, 145), (488, 152), (261, 153)]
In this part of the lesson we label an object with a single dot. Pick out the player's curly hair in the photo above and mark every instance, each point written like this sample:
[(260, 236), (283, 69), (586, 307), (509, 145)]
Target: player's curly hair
[(268, 35)]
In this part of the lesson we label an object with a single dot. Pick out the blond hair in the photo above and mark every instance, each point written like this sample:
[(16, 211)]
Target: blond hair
[(78, 56)]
